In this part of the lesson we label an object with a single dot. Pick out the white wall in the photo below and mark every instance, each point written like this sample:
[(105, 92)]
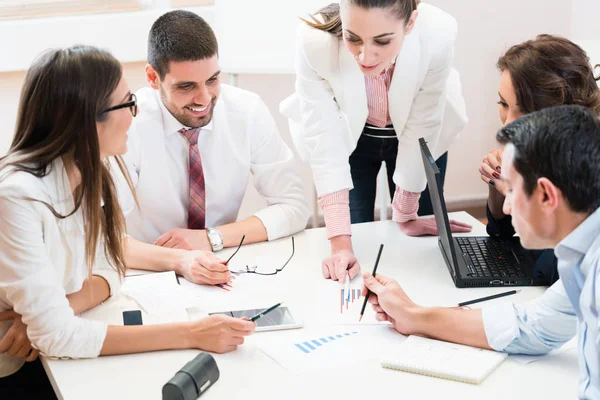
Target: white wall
[(585, 27), (585, 19), (486, 30)]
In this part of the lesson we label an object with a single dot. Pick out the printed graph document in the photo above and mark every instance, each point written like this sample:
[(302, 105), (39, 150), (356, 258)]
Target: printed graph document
[(316, 349), (443, 360), (348, 303)]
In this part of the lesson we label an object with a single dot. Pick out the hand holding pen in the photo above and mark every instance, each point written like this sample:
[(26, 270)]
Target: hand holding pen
[(390, 302)]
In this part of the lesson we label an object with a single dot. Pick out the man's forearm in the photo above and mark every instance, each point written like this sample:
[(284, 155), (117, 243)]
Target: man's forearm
[(252, 227), (93, 292), (452, 325), (139, 255)]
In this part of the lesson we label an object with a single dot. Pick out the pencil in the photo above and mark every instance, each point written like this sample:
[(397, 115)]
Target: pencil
[(495, 296), (362, 311), (264, 312)]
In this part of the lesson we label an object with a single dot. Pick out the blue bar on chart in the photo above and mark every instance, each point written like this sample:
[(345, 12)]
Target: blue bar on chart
[(313, 344), (347, 298)]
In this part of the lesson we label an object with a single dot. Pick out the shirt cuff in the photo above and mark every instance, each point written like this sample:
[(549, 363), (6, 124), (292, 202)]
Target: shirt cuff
[(112, 278), (280, 222), (336, 211), (405, 205), (500, 324)]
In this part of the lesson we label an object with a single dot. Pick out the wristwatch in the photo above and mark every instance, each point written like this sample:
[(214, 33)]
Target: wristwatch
[(215, 238)]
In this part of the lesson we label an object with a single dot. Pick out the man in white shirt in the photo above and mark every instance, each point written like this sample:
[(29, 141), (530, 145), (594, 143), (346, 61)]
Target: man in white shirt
[(191, 152), (550, 167)]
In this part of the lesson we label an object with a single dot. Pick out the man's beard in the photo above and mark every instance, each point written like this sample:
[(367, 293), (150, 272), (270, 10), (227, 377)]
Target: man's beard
[(187, 120)]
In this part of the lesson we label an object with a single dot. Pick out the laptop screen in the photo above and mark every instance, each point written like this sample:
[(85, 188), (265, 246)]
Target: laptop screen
[(439, 204)]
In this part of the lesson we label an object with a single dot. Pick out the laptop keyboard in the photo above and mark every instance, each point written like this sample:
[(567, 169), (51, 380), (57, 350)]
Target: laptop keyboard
[(491, 258)]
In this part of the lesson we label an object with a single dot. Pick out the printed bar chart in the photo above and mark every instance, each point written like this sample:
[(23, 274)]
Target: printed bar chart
[(314, 344), (348, 297)]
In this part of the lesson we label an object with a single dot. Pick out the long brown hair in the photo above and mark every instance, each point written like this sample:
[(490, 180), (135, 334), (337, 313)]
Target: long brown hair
[(551, 71), (330, 21), (64, 95)]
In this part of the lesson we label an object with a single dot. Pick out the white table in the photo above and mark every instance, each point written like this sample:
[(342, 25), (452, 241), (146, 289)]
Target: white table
[(248, 373)]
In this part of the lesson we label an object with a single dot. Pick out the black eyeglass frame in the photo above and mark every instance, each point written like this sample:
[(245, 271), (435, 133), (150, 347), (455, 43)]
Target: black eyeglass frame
[(252, 270), (131, 104)]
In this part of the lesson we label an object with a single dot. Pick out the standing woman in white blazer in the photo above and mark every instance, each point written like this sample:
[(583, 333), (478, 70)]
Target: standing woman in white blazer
[(373, 76), (62, 228)]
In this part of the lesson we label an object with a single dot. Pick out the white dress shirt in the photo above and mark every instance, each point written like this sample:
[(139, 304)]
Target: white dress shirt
[(570, 306), (242, 140), (42, 259)]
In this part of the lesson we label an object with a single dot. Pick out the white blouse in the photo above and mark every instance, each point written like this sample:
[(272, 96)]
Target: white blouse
[(42, 259)]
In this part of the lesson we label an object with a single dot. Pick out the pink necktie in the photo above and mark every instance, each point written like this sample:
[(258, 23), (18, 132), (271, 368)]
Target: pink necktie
[(197, 206)]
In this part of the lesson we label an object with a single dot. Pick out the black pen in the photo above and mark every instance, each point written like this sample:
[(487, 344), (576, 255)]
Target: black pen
[(264, 312), (495, 296), (362, 311)]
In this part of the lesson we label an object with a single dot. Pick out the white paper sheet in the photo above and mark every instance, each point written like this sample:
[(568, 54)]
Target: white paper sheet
[(158, 293), (309, 350)]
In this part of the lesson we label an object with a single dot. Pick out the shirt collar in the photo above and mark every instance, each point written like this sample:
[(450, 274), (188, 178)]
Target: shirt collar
[(582, 238), (170, 124)]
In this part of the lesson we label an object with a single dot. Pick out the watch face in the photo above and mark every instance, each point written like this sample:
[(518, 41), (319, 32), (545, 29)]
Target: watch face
[(214, 237)]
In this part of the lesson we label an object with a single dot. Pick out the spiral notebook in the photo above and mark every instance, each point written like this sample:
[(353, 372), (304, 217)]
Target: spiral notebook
[(443, 360)]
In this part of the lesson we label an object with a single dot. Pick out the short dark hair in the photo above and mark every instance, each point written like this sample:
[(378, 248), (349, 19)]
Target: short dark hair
[(561, 144), (180, 36)]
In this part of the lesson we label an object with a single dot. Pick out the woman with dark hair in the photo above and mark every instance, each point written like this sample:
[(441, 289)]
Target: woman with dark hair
[(62, 226), (372, 77), (546, 72)]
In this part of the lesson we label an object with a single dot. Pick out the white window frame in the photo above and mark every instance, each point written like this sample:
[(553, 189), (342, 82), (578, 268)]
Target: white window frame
[(124, 34), (26, 9)]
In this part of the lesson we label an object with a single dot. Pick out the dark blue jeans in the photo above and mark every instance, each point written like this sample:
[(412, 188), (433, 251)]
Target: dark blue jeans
[(365, 163)]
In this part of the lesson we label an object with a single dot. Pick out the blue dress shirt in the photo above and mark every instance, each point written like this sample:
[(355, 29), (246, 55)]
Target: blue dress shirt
[(567, 308)]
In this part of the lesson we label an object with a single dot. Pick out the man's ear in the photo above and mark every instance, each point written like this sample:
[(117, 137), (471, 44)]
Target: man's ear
[(549, 195), (152, 77)]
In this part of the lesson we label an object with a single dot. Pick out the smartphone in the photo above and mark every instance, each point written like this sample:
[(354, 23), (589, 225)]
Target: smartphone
[(132, 317), (278, 319)]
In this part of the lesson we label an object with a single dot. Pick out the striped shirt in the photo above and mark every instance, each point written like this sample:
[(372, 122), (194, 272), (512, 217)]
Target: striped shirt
[(336, 206), (377, 97)]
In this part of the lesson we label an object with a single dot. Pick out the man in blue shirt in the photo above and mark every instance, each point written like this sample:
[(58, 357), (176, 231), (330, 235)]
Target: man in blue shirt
[(551, 168)]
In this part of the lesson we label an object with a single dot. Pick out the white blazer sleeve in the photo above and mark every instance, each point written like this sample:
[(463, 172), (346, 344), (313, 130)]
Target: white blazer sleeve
[(31, 285), (323, 124), (276, 177), (425, 117)]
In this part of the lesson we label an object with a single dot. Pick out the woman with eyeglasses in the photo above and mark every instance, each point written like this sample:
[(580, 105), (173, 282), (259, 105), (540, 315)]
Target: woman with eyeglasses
[(62, 226)]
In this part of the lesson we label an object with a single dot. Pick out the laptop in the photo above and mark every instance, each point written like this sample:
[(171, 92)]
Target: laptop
[(477, 261)]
